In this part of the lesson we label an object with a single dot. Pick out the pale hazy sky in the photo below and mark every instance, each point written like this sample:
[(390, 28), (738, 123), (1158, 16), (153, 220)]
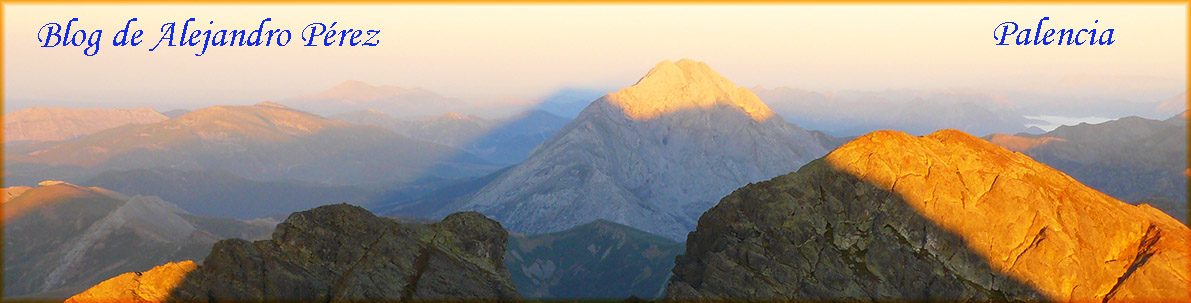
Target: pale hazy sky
[(492, 53)]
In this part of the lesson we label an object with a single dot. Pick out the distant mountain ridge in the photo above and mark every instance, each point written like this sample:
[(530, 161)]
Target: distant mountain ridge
[(263, 142), (917, 112), (56, 124), (653, 156), (222, 194)]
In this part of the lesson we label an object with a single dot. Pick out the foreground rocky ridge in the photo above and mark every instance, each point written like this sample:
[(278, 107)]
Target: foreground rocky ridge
[(344, 253), (944, 216)]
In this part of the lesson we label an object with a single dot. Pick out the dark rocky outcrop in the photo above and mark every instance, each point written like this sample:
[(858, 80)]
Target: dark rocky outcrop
[(345, 253), (945, 216)]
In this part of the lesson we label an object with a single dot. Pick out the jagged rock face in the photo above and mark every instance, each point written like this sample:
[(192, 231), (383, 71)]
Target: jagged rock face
[(598, 260), (653, 156), (344, 253), (944, 216), (61, 238), (55, 124)]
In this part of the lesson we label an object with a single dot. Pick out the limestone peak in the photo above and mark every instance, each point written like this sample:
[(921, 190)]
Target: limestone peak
[(684, 85)]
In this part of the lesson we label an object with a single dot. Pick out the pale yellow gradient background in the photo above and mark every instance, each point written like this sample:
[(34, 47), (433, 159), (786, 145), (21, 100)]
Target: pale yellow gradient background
[(512, 53)]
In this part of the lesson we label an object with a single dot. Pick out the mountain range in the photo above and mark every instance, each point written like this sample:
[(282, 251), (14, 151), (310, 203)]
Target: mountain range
[(652, 156), (218, 193), (61, 238), (947, 216), (265, 142), (37, 124), (916, 112), (597, 197), (1132, 159)]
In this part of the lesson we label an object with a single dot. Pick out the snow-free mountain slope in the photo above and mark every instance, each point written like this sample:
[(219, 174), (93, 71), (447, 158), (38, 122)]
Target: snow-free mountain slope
[(56, 124), (263, 142), (61, 237), (652, 156)]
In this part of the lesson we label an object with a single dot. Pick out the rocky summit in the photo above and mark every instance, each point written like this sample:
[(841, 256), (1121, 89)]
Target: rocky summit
[(944, 216), (342, 253), (652, 156)]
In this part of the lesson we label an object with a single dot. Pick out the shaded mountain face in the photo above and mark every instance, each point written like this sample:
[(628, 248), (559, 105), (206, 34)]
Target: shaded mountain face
[(262, 142), (856, 113), (504, 141), (598, 260), (222, 194), (342, 253), (1132, 159), (61, 238), (946, 216), (652, 156), (351, 96), (38, 124)]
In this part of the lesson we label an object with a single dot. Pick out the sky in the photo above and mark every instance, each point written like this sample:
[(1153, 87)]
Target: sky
[(500, 53)]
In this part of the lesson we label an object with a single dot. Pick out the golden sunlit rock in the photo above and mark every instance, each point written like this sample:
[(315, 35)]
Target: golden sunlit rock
[(153, 285), (945, 216), (1027, 219), (687, 84)]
